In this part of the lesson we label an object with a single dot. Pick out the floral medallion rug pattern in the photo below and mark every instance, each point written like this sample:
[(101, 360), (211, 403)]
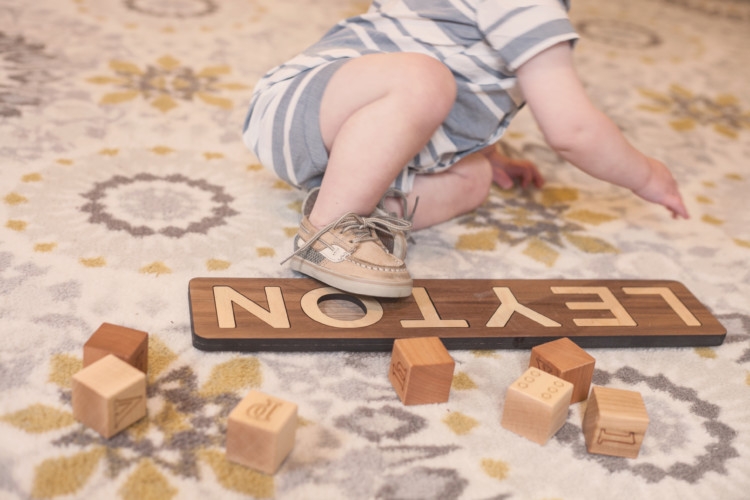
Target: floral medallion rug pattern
[(123, 177)]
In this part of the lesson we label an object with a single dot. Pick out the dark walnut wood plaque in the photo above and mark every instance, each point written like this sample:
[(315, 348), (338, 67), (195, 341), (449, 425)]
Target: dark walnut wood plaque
[(302, 314)]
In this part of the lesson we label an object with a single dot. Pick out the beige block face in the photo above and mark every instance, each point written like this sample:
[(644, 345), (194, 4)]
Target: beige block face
[(127, 344), (421, 370), (536, 405), (563, 358), (109, 395), (615, 422), (398, 372), (261, 431)]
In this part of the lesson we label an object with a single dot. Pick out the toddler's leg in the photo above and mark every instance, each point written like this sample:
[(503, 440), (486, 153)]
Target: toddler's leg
[(377, 113), (465, 186), (448, 194)]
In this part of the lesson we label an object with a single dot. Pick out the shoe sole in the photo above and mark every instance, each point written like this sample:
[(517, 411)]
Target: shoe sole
[(349, 284)]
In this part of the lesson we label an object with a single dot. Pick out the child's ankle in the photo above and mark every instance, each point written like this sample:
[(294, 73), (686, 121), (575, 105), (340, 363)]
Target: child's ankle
[(394, 205)]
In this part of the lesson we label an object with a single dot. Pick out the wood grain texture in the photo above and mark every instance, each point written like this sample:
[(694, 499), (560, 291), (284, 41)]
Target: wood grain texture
[(109, 395), (536, 405), (127, 344), (295, 314), (615, 422), (563, 358), (421, 370), (261, 431)]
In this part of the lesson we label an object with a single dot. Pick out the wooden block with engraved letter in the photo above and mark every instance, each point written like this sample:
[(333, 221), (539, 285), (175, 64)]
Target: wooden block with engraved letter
[(536, 405), (109, 395), (563, 358), (127, 344), (421, 370), (615, 422), (261, 431)]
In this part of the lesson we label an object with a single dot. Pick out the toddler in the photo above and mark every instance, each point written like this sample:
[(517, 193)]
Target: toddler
[(406, 103)]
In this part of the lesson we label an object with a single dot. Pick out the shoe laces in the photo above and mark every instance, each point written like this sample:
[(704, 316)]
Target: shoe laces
[(362, 229), (400, 196)]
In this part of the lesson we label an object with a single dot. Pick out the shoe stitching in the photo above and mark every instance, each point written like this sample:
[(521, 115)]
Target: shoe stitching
[(362, 227)]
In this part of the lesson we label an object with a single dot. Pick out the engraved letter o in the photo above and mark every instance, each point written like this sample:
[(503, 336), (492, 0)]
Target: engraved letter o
[(309, 303)]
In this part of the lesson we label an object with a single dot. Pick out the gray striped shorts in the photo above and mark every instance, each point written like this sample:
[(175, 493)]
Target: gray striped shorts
[(283, 130), (283, 126)]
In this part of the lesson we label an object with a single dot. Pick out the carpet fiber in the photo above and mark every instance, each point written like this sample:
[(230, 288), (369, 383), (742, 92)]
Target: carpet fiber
[(123, 177)]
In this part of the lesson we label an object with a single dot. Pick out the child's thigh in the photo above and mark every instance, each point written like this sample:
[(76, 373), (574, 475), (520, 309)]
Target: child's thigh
[(423, 87)]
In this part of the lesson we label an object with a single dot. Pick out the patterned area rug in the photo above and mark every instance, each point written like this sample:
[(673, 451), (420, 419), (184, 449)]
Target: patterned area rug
[(123, 177)]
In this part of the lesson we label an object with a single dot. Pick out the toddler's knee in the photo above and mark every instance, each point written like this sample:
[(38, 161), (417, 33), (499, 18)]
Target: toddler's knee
[(430, 83), (476, 181), (480, 188)]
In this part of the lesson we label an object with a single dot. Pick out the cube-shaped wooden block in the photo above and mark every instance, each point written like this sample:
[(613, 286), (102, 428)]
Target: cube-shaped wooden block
[(109, 395), (261, 432), (421, 370), (615, 422), (536, 405), (564, 359), (127, 344)]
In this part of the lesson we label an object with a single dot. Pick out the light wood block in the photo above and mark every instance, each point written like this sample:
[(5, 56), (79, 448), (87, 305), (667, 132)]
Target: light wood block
[(127, 344), (109, 395), (564, 359), (421, 370), (292, 314), (536, 405), (261, 432), (615, 422)]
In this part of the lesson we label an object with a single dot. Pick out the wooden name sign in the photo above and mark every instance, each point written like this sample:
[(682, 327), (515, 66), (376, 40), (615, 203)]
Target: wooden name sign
[(301, 314)]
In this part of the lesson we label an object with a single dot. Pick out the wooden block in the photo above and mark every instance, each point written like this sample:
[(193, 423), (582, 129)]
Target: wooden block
[(564, 359), (421, 370), (127, 344), (615, 422), (536, 405), (261, 432), (109, 395), (291, 314)]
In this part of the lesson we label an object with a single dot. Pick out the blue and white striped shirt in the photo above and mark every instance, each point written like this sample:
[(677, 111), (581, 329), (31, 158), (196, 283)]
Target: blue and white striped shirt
[(483, 42)]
